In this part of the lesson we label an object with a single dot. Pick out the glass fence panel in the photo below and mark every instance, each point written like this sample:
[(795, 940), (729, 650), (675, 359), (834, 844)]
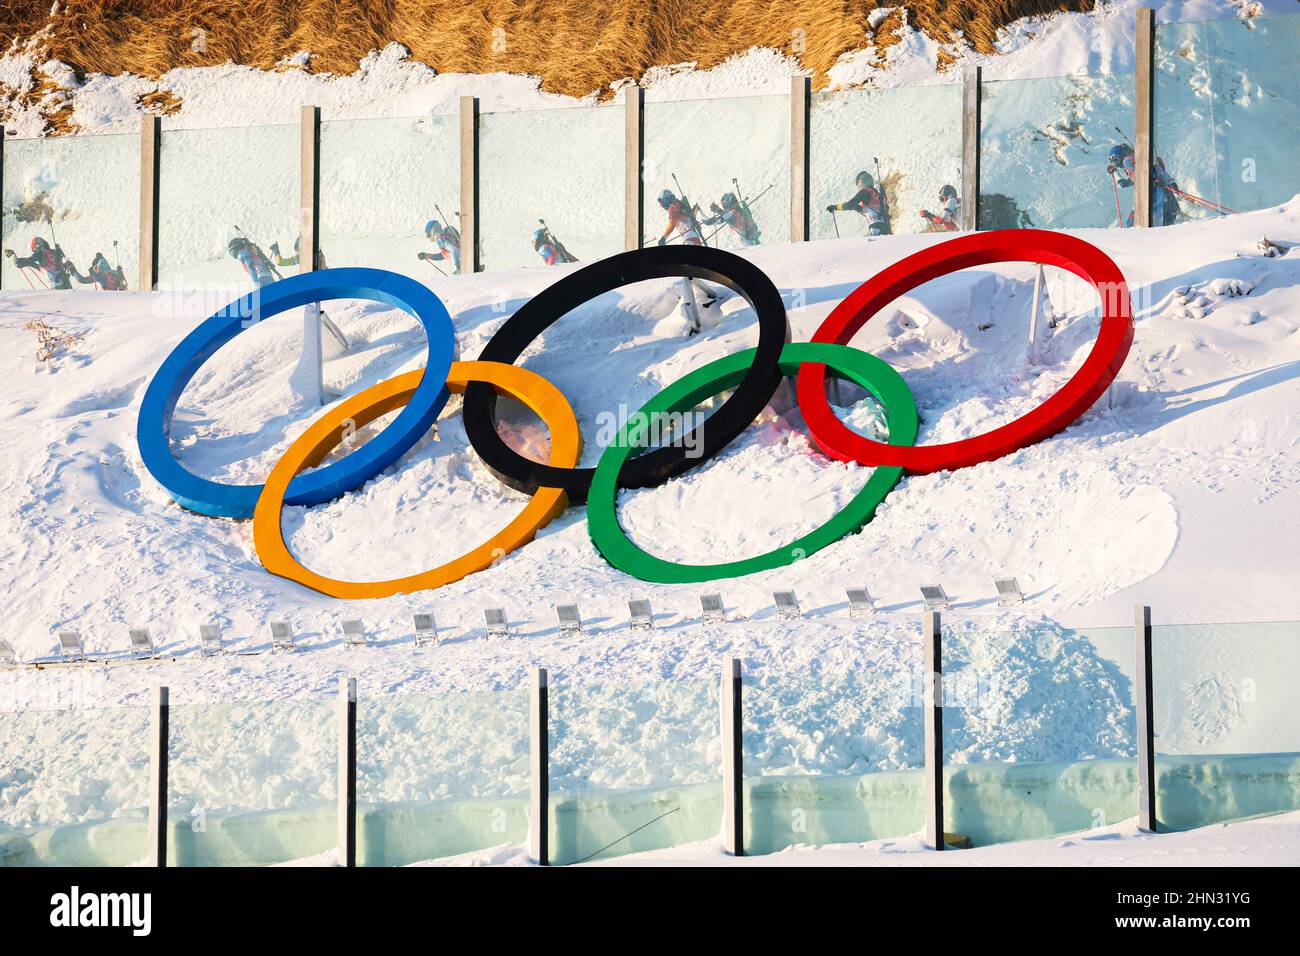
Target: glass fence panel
[(1045, 148), (857, 144), (633, 768), (1226, 726), (252, 782), (714, 151), (834, 758), (1039, 734), (383, 181), (74, 787), (74, 195), (1227, 115), (227, 201), (441, 775), (551, 186)]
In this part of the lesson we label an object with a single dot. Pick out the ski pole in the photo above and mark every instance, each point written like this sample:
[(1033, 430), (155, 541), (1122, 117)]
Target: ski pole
[(1199, 199), (435, 265), (1119, 214), (836, 223)]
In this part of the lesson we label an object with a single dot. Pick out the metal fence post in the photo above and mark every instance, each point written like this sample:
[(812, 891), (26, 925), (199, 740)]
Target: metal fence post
[(309, 247), (970, 149), (539, 761), (150, 150), (800, 94), (2, 180), (932, 701), (158, 741), (1143, 116), (1146, 743), (733, 761), (633, 158), (470, 242), (347, 808)]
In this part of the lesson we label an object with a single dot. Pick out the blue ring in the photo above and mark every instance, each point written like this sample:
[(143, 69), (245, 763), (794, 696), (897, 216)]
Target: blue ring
[(326, 483)]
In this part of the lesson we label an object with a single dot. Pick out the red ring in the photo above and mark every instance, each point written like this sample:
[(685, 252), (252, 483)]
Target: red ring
[(1007, 245)]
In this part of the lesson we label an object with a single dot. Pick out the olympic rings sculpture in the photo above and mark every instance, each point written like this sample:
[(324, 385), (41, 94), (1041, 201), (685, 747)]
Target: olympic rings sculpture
[(754, 374)]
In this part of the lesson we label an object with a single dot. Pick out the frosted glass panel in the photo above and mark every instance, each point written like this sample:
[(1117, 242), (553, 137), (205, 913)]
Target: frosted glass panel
[(382, 180), (707, 149), (80, 193), (252, 782), (74, 787), (559, 171), (1044, 150), (858, 131), (1227, 112), (439, 776), (219, 185), (823, 755), (633, 768)]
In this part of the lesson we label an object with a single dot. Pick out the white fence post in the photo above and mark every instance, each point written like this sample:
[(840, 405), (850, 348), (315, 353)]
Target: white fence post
[(932, 701), (347, 767), (1143, 116), (539, 762), (150, 150), (309, 247), (733, 761), (800, 94), (158, 742), (970, 149), (633, 157), (1144, 704), (470, 241)]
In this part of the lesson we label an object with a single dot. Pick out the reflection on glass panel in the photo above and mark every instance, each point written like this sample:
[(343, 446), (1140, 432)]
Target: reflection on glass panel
[(832, 758), (71, 212), (439, 776), (1225, 721), (884, 176), (1038, 735), (1045, 152), (227, 206), (252, 782), (551, 188), (729, 159), (1227, 114), (390, 194), (633, 768), (74, 787)]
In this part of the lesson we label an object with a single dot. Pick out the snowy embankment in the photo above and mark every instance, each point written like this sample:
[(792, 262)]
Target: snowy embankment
[(1182, 495)]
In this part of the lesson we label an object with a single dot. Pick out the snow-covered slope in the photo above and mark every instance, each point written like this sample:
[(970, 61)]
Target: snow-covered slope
[(1182, 495)]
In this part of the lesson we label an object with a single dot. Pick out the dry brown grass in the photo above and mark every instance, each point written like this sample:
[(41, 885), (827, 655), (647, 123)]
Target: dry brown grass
[(575, 46)]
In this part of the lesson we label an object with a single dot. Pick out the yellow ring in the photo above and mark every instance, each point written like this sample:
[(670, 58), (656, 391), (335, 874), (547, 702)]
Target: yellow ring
[(325, 434)]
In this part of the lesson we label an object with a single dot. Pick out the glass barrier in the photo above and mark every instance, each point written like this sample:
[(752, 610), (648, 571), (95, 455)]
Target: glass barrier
[(714, 152), (1225, 721), (382, 182), (227, 200), (442, 775), (858, 132), (78, 194), (633, 768), (1039, 732), (551, 186), (252, 782), (1227, 115), (1045, 149), (74, 787), (833, 758)]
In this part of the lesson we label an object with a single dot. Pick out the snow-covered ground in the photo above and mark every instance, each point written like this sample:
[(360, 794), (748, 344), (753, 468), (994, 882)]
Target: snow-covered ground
[(1180, 493), (1272, 841)]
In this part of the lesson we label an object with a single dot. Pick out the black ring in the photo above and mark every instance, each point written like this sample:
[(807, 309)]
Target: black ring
[(654, 466)]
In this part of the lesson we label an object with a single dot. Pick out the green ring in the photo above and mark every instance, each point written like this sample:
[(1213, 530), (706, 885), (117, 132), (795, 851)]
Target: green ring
[(866, 370)]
